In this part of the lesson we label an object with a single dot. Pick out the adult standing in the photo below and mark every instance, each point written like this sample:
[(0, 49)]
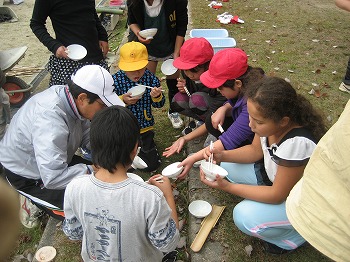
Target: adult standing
[(74, 22), (38, 150), (170, 18)]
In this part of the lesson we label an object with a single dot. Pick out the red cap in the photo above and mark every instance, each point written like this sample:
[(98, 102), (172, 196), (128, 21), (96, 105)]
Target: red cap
[(227, 64), (195, 51)]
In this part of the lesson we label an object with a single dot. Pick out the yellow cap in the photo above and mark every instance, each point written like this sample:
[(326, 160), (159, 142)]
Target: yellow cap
[(133, 56)]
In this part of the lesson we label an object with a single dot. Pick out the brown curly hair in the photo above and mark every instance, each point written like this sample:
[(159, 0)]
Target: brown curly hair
[(276, 98)]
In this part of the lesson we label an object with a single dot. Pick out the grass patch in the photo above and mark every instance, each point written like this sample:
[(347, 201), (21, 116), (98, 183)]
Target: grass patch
[(305, 37)]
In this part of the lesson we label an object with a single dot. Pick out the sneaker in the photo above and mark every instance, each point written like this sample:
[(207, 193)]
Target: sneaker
[(175, 119), (273, 249), (188, 129), (344, 88), (170, 257), (192, 125), (29, 213), (209, 138)]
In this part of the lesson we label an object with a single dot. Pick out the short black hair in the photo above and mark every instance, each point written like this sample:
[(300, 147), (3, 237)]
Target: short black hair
[(76, 90), (114, 133)]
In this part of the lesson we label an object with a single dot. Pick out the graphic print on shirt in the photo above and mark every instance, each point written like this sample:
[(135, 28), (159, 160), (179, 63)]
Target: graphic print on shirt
[(106, 229)]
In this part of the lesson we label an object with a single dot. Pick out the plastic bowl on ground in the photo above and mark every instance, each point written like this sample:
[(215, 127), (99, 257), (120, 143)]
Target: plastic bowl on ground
[(76, 52), (45, 254), (211, 170), (200, 208), (148, 33), (167, 67), (172, 171), (138, 90)]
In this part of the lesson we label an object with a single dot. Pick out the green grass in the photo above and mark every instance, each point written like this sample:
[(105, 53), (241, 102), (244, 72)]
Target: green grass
[(280, 34)]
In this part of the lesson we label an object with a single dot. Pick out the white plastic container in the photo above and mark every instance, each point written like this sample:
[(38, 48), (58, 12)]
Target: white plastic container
[(209, 33), (221, 43)]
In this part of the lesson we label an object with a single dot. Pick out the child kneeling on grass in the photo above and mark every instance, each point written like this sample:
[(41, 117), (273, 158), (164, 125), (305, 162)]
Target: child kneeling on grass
[(287, 128), (119, 218), (133, 71)]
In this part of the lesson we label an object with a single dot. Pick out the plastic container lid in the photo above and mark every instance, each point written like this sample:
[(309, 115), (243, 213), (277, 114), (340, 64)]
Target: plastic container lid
[(208, 33)]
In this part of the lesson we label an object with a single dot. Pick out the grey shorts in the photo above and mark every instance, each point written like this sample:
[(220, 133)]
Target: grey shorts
[(159, 59)]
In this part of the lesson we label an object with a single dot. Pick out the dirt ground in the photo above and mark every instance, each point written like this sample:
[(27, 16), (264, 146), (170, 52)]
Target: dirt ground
[(19, 34)]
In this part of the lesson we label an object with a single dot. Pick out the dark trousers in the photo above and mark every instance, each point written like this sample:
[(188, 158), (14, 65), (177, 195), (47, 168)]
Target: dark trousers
[(215, 132), (172, 90)]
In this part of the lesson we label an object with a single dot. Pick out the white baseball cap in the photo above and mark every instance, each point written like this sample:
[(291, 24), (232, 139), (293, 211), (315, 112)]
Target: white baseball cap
[(97, 80)]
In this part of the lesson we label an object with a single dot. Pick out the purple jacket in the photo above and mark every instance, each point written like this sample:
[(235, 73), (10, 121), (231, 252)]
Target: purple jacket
[(239, 133)]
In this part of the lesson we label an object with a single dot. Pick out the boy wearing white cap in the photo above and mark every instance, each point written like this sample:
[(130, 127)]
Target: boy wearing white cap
[(38, 151), (133, 72)]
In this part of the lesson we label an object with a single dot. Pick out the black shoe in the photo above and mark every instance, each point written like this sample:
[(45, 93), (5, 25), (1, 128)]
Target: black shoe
[(170, 257), (273, 249)]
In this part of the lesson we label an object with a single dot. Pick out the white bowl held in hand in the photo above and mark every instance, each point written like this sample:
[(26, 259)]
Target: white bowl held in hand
[(148, 33), (172, 171), (211, 170), (200, 208), (76, 52), (138, 90), (138, 163), (167, 67), (135, 177)]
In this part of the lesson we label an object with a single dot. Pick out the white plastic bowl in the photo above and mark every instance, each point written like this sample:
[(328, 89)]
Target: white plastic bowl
[(148, 33), (138, 163), (135, 177), (76, 52), (211, 172), (138, 90), (167, 67), (172, 171), (45, 254), (200, 208)]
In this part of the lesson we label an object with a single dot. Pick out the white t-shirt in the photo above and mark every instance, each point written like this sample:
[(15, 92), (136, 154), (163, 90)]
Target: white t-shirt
[(125, 221), (294, 149)]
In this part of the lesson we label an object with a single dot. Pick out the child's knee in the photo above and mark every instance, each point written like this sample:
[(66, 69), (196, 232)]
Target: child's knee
[(244, 217)]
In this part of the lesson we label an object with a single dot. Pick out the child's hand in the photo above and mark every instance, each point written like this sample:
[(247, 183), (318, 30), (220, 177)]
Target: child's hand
[(187, 163), (217, 154), (218, 117), (156, 91), (219, 183), (162, 182), (175, 147), (129, 100), (181, 83)]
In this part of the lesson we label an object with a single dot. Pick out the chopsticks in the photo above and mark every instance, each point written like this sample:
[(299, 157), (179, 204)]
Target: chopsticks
[(211, 146), (221, 129), (149, 87), (158, 179), (187, 92)]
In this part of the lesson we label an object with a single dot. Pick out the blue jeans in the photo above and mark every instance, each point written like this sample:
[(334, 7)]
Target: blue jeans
[(265, 221)]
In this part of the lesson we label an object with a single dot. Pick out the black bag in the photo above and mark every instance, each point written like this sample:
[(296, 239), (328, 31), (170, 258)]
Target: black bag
[(149, 152)]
